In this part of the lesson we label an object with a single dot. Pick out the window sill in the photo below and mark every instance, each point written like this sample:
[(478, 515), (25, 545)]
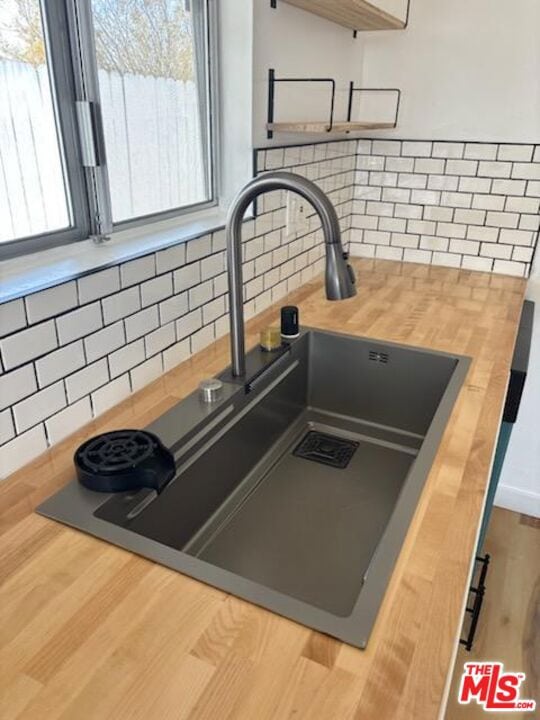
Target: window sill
[(39, 271)]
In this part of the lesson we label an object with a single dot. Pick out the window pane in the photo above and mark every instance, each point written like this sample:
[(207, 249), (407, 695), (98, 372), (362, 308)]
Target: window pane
[(33, 193), (153, 81)]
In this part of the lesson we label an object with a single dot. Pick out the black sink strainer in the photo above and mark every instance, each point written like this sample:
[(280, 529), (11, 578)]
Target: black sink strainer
[(326, 449), (124, 460)]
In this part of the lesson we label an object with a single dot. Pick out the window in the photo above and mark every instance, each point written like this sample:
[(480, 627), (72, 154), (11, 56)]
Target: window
[(105, 116)]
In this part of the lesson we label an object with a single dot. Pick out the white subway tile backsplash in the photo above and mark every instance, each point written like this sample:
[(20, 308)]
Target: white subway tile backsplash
[(396, 195), (157, 289), (509, 267), (160, 339), (376, 237), (470, 217), (121, 304), (416, 148), (104, 341), (446, 259), (522, 205), (430, 242), (479, 264), (48, 303), (212, 265), (496, 250), (417, 256), (480, 151), (386, 147), (528, 171), (392, 224), (79, 323), (389, 253), (464, 247), (488, 202), (475, 185), (188, 324), (16, 385), (176, 354), (456, 199), (516, 237), (97, 285), (436, 213), (515, 153), (502, 219), (529, 222), (138, 270), (146, 373), (448, 150), (22, 449), (141, 323), (443, 182), (39, 406), (426, 197), (173, 308), (12, 317), (412, 180), (60, 363), (399, 164), (122, 360), (68, 420), (431, 166), (461, 167), (523, 254), (187, 277), (84, 381), (199, 248), (111, 394), (28, 344), (508, 187), (452, 230), (171, 258), (407, 211), (7, 429), (202, 338), (495, 169), (483, 234), (405, 240), (201, 294)]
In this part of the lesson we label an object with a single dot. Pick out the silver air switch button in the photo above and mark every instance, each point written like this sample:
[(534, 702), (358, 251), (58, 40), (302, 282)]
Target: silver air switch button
[(210, 390)]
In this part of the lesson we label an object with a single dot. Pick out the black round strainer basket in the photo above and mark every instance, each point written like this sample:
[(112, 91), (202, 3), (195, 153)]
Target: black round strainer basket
[(124, 460)]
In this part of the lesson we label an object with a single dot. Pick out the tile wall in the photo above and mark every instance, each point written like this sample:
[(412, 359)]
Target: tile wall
[(468, 205), (71, 352)]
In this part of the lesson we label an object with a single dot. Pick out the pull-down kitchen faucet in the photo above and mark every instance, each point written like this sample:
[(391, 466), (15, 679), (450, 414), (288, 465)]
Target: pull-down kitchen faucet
[(339, 275)]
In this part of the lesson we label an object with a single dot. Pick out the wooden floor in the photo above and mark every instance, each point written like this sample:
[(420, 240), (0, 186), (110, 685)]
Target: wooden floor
[(509, 626)]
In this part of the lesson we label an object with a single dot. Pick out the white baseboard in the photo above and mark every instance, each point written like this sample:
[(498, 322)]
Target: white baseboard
[(521, 501)]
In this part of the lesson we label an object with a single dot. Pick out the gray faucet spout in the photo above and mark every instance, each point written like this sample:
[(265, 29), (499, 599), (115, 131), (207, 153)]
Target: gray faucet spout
[(340, 283)]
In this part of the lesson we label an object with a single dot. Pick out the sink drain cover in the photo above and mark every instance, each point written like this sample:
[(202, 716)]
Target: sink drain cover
[(326, 449)]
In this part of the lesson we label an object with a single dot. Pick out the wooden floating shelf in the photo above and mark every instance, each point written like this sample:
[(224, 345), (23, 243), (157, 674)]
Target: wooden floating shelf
[(323, 127), (353, 14)]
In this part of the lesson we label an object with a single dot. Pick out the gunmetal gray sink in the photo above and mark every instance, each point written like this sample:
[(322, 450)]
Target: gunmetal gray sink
[(295, 491)]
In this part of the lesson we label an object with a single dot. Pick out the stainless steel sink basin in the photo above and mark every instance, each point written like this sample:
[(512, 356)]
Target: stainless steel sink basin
[(296, 490)]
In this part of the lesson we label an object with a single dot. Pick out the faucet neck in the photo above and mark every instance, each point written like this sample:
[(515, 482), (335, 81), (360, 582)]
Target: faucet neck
[(332, 238)]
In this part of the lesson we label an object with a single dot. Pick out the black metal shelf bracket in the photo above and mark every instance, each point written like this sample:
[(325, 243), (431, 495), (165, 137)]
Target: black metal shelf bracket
[(273, 80), (474, 609), (353, 90)]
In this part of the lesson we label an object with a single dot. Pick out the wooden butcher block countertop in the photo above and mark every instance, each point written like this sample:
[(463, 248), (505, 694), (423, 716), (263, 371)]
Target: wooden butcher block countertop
[(92, 631)]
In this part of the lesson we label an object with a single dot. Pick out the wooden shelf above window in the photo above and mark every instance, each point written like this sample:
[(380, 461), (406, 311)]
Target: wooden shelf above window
[(353, 14), (323, 127)]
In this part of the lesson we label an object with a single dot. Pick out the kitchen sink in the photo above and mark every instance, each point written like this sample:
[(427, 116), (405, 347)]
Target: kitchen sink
[(294, 490)]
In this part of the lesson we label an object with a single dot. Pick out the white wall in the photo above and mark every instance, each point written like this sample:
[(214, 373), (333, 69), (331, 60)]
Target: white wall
[(468, 70), (299, 44)]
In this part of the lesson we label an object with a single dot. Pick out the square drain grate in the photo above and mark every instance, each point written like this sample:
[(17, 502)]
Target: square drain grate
[(326, 449)]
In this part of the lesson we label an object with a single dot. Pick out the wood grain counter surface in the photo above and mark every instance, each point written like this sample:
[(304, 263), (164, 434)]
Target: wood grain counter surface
[(91, 631)]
